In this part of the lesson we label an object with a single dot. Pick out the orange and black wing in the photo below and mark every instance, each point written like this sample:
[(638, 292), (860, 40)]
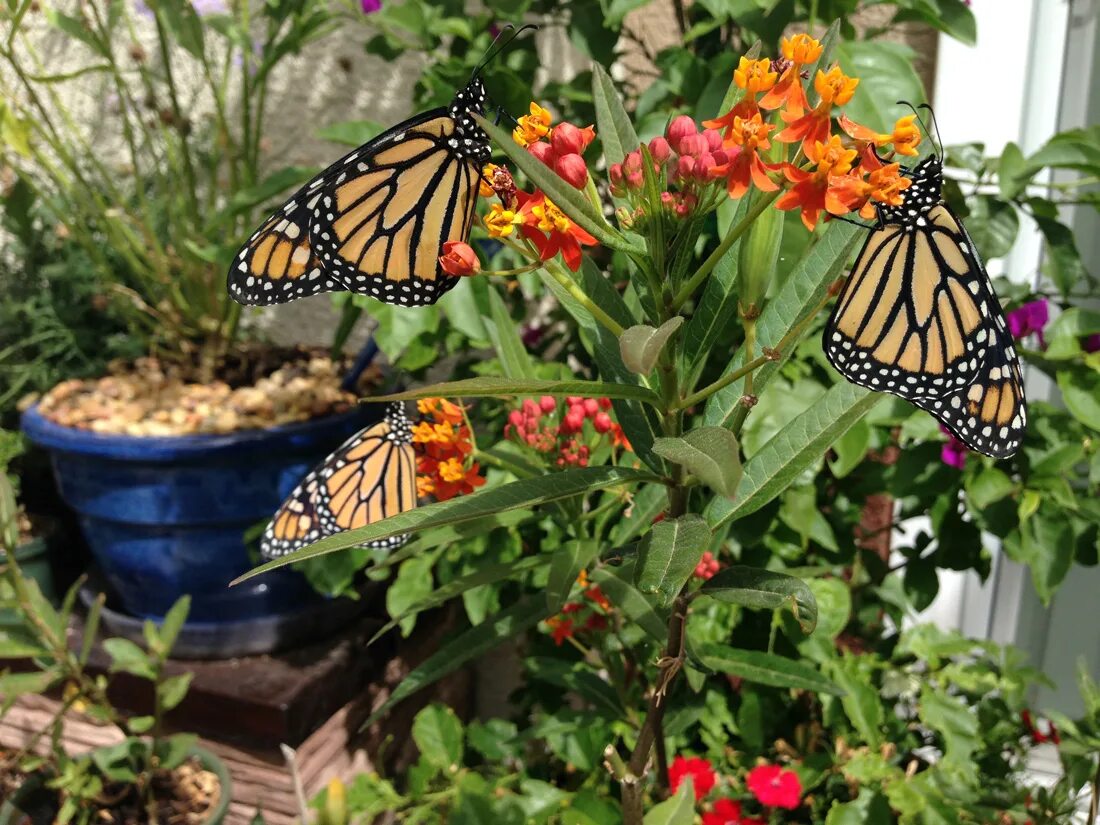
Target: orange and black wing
[(912, 318), (369, 477), (381, 222)]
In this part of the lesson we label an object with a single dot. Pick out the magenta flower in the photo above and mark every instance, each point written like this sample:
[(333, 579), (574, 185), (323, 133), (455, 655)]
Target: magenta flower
[(205, 7), (1092, 343), (1029, 318), (954, 452), (370, 6)]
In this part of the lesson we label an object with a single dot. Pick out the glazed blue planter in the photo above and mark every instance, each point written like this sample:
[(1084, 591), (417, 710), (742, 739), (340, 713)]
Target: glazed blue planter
[(166, 516)]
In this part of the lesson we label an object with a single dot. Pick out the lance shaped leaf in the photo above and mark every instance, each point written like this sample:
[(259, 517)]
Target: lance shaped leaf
[(711, 453)]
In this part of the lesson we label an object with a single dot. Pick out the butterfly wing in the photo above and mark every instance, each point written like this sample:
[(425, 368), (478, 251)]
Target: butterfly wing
[(911, 319), (990, 415), (371, 476), (380, 224)]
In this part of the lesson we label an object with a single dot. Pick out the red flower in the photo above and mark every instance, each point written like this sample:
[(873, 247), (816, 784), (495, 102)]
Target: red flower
[(1037, 736), (459, 259), (728, 812), (775, 787), (745, 137), (811, 188), (561, 234), (567, 139), (697, 769), (560, 629)]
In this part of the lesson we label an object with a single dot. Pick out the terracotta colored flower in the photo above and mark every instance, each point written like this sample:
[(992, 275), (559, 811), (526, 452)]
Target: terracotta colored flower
[(775, 787), (788, 92), (746, 167), (459, 259), (754, 75), (552, 231), (835, 89), (441, 410), (810, 189), (746, 109), (698, 770), (905, 137), (728, 812), (532, 127)]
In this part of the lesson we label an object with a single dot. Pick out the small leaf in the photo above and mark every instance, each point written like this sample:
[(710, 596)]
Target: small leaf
[(1011, 174), (128, 657), (711, 453), (679, 810), (616, 583), (641, 345), (760, 589), (173, 622), (140, 724), (766, 669), (669, 553), (1081, 393), (175, 749), (616, 131), (567, 563), (438, 734), (173, 690)]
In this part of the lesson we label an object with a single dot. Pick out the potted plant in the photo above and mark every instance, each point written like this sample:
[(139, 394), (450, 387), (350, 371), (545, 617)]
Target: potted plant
[(149, 772), (169, 458)]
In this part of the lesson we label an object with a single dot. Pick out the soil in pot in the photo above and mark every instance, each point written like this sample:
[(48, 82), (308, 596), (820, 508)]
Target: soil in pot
[(256, 389), (189, 795)]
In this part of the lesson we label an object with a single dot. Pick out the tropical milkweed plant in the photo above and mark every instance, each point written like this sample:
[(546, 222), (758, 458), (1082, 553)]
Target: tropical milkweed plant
[(626, 469)]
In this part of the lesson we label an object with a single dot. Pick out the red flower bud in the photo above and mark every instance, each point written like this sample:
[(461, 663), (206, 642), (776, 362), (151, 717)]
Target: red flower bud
[(659, 149), (703, 164), (680, 128), (548, 403), (634, 180), (605, 403), (590, 407), (602, 422), (459, 259), (685, 167), (713, 138), (616, 174), (632, 163), (567, 139), (573, 400), (531, 408), (574, 422), (721, 158), (693, 145), (515, 418), (572, 170), (543, 152)]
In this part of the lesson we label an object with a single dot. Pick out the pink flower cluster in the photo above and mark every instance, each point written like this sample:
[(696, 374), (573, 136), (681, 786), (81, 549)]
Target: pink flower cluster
[(707, 566), (541, 426), (563, 152)]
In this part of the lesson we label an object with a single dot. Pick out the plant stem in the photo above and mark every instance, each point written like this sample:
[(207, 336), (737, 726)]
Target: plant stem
[(735, 232), (571, 286), (722, 382)]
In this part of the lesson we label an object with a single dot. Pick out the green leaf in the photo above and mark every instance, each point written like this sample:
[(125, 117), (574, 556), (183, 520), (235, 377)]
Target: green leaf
[(173, 622), (615, 129), (493, 387), (1063, 262), (993, 225), (1011, 174), (437, 732), (987, 486), (850, 449), (274, 184), (351, 132), (77, 30), (140, 724), (566, 564), (174, 750), (955, 721), (669, 553), (641, 345), (766, 669), (711, 453), (489, 574), (793, 449), (181, 19), (834, 605), (886, 75), (1081, 392), (173, 690), (575, 204), (615, 582), (412, 586), (869, 808), (679, 810), (760, 589), (514, 359), (1073, 149), (861, 701), (127, 656), (800, 294), (466, 646), (647, 503), (524, 493)]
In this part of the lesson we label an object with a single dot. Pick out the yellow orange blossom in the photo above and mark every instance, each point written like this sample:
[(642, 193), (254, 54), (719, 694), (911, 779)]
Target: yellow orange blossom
[(425, 486), (550, 218), (533, 127), (441, 409), (883, 185), (452, 470), (746, 167), (582, 579), (905, 137), (800, 50), (745, 110), (835, 89), (501, 222), (485, 189), (754, 75), (810, 190)]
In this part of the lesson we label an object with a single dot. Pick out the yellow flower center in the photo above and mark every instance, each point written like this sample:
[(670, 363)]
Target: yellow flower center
[(486, 187), (906, 136), (533, 127), (801, 48), (832, 158), (754, 75), (751, 132), (452, 470), (551, 219), (500, 221), (835, 87), (887, 184)]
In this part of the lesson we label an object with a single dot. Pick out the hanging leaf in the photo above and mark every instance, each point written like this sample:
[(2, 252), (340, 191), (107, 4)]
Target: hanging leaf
[(711, 453)]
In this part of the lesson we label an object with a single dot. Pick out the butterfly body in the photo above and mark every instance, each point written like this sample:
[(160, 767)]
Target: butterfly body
[(371, 476), (918, 318), (375, 221)]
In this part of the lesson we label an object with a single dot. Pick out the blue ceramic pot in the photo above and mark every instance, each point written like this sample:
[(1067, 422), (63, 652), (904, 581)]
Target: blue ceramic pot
[(166, 516)]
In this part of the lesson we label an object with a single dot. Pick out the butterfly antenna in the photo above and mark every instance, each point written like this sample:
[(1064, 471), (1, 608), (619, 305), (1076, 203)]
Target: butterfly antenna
[(935, 125), (500, 43)]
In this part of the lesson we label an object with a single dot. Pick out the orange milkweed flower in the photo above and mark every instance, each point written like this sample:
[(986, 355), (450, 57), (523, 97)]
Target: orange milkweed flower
[(485, 187), (835, 89), (441, 409), (754, 75), (851, 192), (533, 127), (905, 137), (459, 259), (745, 109), (746, 167), (551, 230), (799, 50), (810, 189)]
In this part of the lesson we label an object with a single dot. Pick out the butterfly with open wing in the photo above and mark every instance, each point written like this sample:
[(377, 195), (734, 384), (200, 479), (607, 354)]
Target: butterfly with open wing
[(375, 221), (369, 477), (918, 317)]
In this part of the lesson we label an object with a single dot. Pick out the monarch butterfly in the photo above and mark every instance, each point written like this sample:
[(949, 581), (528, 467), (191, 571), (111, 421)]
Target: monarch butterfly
[(371, 476), (375, 221), (918, 317)]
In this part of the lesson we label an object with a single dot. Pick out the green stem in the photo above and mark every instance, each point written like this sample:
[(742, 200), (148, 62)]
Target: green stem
[(722, 382), (735, 232), (177, 115), (571, 286)]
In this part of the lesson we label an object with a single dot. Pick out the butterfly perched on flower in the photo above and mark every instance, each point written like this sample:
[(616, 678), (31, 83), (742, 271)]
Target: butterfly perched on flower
[(375, 222), (370, 477), (918, 317)]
